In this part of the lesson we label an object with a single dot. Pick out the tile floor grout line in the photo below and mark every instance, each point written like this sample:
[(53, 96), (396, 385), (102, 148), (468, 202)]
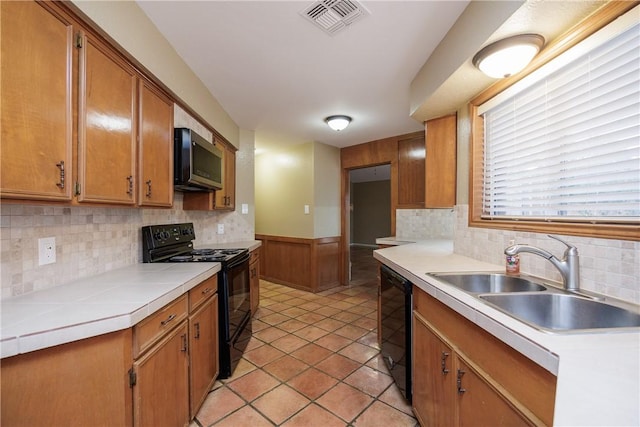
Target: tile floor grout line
[(361, 308)]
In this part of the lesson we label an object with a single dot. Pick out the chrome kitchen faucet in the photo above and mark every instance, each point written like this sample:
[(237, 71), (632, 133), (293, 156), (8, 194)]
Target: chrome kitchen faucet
[(568, 266)]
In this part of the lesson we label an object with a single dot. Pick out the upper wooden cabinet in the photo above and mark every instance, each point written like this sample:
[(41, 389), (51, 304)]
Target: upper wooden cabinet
[(155, 154), (37, 109), (411, 172), (107, 126), (80, 123), (226, 198), (440, 137)]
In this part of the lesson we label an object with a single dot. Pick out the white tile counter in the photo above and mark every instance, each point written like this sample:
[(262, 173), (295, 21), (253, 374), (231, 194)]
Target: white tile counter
[(92, 306), (598, 374)]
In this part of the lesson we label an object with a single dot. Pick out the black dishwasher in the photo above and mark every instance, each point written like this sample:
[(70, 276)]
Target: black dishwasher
[(395, 315)]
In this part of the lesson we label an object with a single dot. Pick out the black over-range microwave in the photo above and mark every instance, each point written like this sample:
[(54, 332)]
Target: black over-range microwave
[(197, 162)]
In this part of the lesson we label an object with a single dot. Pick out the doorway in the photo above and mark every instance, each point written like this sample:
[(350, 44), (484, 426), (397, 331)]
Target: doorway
[(369, 219)]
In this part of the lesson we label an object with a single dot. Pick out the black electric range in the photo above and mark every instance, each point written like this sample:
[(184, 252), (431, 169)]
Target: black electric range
[(174, 243)]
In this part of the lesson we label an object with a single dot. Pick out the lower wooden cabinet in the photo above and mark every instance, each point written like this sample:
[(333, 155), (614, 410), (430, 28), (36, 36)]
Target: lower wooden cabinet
[(82, 383), (463, 376), (433, 377), (254, 277), (161, 389), (157, 373), (203, 348)]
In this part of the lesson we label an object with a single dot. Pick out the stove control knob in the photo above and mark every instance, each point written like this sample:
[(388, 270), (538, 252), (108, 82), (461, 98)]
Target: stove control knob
[(165, 235), (157, 235)]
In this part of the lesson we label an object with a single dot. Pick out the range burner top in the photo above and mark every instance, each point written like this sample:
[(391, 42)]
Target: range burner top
[(207, 255), (174, 243)]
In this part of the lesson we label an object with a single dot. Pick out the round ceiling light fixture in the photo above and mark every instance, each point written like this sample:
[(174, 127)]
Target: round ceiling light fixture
[(508, 56), (338, 123)]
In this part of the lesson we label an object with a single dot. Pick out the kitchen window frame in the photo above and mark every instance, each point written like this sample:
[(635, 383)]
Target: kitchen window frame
[(589, 228)]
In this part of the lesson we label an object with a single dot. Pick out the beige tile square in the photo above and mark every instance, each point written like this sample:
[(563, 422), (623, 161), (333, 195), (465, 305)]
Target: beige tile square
[(247, 416), (219, 404), (253, 384), (369, 381), (345, 401), (338, 366), (314, 416), (359, 352), (380, 414), (280, 403), (286, 367), (312, 383)]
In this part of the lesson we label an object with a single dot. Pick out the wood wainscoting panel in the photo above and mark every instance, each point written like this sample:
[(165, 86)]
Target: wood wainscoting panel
[(307, 264)]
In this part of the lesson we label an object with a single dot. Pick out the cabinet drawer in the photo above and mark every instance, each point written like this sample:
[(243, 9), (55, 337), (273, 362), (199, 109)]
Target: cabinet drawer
[(154, 327), (201, 292)]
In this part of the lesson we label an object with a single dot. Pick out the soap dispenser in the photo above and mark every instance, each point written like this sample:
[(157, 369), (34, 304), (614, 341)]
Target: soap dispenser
[(512, 262)]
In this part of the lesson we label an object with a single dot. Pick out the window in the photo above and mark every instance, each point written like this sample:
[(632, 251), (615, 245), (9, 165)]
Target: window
[(561, 147)]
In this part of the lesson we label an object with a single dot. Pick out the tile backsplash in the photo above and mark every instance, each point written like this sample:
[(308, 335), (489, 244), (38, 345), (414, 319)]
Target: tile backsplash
[(607, 266), (425, 223), (93, 240)]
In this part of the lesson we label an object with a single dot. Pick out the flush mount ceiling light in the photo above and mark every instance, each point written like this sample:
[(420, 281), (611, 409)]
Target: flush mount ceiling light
[(508, 56), (338, 123)]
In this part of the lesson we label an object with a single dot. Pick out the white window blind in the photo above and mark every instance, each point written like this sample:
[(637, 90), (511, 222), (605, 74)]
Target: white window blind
[(568, 146)]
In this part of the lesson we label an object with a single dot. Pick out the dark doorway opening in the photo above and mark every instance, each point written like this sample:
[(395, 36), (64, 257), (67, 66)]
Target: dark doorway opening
[(370, 218)]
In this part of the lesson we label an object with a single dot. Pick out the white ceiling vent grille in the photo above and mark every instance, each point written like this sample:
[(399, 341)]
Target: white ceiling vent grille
[(334, 15)]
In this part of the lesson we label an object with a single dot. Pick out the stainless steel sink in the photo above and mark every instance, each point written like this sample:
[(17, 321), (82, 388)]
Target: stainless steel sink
[(560, 312), (485, 283)]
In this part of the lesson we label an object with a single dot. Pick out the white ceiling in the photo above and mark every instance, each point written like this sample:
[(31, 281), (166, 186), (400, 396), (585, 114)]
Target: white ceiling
[(275, 73)]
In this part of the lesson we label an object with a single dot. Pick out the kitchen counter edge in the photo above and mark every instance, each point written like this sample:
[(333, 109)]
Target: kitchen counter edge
[(608, 396)]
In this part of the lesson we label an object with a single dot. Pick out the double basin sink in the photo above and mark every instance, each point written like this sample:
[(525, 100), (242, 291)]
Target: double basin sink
[(541, 305)]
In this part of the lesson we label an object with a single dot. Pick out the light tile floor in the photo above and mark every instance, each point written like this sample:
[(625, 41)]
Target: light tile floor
[(313, 360)]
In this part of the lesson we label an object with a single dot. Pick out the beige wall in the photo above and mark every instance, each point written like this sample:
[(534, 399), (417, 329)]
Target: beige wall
[(326, 182), (289, 179), (128, 25), (284, 184)]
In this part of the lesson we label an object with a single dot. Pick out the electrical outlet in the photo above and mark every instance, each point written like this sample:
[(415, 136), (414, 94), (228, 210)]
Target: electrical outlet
[(220, 228), (46, 250), (245, 208)]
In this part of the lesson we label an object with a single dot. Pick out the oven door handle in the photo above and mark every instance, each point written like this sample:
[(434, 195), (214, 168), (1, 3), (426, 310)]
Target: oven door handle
[(237, 261)]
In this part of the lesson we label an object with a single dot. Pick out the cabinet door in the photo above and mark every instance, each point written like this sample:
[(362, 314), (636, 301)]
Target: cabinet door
[(225, 198), (155, 182), (440, 137), (411, 173), (203, 346), (434, 381), (161, 393), (36, 103), (480, 405), (106, 131)]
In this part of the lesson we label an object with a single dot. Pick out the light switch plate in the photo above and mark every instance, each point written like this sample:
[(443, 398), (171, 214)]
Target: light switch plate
[(46, 250), (245, 208), (306, 209)]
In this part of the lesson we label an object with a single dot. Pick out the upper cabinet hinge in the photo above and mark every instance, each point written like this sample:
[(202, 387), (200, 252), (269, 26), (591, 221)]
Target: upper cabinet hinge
[(77, 188), (79, 41), (133, 378)]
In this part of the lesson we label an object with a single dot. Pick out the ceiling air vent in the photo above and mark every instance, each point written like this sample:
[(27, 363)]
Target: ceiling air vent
[(334, 15)]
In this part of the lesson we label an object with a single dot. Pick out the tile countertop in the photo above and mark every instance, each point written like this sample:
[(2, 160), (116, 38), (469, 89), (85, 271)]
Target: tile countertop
[(598, 374), (95, 305)]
